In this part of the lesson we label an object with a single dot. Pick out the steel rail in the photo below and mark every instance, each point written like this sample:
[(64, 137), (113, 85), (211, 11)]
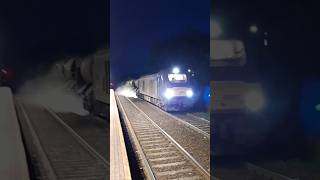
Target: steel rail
[(184, 122), (50, 173), (147, 170), (79, 139), (174, 142)]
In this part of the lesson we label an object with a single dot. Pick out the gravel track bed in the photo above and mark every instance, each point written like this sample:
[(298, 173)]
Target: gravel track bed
[(200, 124), (66, 155), (197, 145), (165, 160), (202, 115), (94, 130)]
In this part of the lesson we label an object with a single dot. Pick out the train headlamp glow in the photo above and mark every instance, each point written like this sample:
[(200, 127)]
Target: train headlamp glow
[(254, 100), (189, 93), (169, 93), (175, 70)]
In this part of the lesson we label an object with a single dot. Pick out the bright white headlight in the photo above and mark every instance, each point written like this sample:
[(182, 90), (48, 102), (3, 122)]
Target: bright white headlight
[(169, 93), (189, 93), (176, 70), (254, 101)]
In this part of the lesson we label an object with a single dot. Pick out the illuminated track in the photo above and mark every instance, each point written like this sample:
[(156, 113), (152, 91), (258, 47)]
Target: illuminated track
[(200, 125), (160, 155), (194, 123), (61, 152)]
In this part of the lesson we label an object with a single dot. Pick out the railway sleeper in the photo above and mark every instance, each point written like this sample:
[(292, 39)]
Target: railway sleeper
[(162, 153), (150, 138), (151, 142), (164, 158), (168, 160), (170, 165), (158, 150), (173, 168), (161, 143), (145, 128), (188, 171), (155, 146), (140, 132), (182, 175)]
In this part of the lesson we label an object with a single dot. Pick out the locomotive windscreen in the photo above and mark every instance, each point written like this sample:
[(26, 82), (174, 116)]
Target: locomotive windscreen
[(177, 78)]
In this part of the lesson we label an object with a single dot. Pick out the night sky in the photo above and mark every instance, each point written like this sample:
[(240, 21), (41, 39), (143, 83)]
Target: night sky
[(291, 28), (292, 54), (147, 36), (288, 68), (291, 57), (33, 34)]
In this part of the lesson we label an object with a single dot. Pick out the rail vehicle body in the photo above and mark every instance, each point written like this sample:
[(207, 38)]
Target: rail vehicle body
[(255, 108), (171, 91), (237, 102), (89, 78)]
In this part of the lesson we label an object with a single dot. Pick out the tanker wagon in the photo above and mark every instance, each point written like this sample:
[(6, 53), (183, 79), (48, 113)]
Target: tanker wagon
[(89, 78)]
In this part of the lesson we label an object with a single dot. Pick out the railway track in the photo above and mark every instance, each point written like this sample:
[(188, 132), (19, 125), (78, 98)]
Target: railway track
[(202, 115), (198, 123), (61, 152), (159, 154), (193, 141)]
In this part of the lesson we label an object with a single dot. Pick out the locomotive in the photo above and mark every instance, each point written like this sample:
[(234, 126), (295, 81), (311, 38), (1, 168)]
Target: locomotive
[(237, 104), (169, 90), (89, 78)]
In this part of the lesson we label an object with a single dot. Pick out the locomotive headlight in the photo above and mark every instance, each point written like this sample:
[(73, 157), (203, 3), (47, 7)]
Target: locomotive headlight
[(254, 100), (169, 93), (189, 93), (176, 70)]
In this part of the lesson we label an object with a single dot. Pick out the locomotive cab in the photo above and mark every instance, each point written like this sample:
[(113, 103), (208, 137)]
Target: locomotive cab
[(169, 90), (178, 93)]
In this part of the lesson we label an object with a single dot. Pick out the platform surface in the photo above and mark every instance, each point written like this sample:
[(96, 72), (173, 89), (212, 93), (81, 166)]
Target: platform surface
[(13, 163), (119, 164)]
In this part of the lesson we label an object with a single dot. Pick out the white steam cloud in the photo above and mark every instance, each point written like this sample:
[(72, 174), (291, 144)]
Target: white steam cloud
[(127, 90), (52, 91)]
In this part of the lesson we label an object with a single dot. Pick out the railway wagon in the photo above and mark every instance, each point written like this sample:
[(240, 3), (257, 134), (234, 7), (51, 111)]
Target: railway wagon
[(89, 77), (168, 90)]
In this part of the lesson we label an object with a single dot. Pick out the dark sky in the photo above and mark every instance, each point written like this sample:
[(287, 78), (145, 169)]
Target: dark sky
[(288, 69), (292, 28), (35, 33), (147, 36), (292, 54)]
